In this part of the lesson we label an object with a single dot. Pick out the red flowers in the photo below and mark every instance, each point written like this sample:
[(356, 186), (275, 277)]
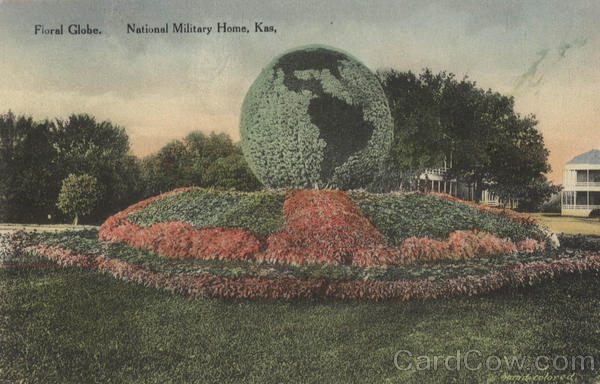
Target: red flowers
[(180, 240), (461, 245), (325, 226)]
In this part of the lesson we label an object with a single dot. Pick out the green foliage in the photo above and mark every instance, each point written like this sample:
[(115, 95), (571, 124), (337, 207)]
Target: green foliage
[(101, 150), (200, 160), (476, 133), (400, 216), (532, 194), (419, 139), (580, 242), (552, 205), (315, 116), (36, 156), (261, 212), (79, 195), (231, 172), (29, 178), (397, 216)]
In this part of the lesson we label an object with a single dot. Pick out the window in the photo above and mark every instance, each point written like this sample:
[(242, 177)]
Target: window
[(582, 176), (594, 198), (581, 198), (595, 176)]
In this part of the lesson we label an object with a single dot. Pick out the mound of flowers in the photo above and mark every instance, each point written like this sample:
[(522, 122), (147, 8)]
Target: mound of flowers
[(319, 226)]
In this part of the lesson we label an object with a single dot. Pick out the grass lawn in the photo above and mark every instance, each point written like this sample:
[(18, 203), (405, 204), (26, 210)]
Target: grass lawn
[(569, 225), (69, 325)]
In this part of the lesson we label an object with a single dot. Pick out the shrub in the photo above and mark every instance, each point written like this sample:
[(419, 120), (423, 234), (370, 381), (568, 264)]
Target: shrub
[(316, 116), (581, 242), (552, 205), (231, 172)]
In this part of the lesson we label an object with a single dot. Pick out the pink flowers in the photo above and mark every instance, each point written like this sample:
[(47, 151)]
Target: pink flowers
[(325, 226), (288, 286), (461, 245), (530, 245)]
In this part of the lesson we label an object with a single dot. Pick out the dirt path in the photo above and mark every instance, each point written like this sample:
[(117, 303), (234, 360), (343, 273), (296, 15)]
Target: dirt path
[(7, 227)]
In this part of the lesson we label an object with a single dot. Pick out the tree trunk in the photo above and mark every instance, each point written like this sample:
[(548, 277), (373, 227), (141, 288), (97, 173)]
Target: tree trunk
[(75, 220), (477, 191)]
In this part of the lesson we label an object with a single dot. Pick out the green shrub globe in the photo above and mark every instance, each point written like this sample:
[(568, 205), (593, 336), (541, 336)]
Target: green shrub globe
[(316, 117)]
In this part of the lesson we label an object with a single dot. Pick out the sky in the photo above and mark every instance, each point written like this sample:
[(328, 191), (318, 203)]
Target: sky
[(162, 86)]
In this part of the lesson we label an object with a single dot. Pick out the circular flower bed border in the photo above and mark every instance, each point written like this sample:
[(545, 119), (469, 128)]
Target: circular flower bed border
[(289, 287)]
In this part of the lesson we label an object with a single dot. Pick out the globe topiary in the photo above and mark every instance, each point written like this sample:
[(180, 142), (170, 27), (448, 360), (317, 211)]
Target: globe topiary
[(316, 116)]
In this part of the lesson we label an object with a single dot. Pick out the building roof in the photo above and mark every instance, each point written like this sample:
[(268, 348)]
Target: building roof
[(591, 157)]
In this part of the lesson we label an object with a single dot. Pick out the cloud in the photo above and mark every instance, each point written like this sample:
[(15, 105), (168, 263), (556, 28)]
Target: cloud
[(529, 77), (564, 47), (544, 65)]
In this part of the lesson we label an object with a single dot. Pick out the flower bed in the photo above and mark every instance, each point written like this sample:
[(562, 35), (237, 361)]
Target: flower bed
[(325, 226), (400, 216), (288, 286), (321, 226), (180, 240)]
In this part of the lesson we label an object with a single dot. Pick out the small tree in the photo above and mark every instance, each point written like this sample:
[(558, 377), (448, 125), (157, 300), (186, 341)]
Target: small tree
[(79, 195)]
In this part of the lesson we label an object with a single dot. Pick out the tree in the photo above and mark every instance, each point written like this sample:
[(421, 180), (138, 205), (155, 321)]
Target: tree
[(79, 195), (419, 140), (475, 133), (533, 194), (200, 160), (231, 172), (28, 164), (101, 150)]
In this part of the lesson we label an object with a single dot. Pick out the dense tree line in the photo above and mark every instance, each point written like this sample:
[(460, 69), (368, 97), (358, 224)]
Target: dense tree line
[(47, 168), (35, 158), (475, 133)]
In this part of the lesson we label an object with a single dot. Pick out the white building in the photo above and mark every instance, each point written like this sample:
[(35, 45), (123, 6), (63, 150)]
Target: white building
[(581, 184), (437, 182)]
